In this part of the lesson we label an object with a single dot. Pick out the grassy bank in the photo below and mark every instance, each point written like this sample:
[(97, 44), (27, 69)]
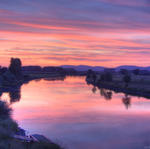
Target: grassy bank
[(138, 86)]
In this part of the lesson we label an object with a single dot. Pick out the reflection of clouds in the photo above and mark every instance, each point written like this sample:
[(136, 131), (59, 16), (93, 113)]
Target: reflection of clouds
[(141, 105), (96, 131), (68, 111)]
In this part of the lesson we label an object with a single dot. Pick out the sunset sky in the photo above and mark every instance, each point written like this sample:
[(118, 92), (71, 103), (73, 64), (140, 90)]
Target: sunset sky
[(73, 32)]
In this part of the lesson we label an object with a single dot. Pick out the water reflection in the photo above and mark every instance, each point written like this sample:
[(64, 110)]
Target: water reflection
[(60, 78), (69, 112), (15, 96), (94, 89), (107, 94), (127, 101), (13, 93)]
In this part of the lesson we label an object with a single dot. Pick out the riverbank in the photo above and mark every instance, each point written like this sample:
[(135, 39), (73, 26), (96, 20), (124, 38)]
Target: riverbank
[(138, 86), (12, 136)]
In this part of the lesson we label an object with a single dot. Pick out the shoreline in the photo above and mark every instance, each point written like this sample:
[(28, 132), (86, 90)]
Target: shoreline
[(119, 87)]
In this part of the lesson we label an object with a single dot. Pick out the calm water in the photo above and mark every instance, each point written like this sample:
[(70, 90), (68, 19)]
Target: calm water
[(82, 117)]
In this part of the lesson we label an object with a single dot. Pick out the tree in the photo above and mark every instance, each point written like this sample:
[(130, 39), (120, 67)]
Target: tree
[(89, 73), (15, 67), (127, 80)]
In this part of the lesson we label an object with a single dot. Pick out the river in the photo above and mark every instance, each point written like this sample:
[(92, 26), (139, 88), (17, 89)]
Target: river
[(78, 116)]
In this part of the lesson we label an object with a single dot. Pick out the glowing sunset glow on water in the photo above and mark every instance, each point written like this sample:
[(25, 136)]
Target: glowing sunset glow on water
[(70, 112)]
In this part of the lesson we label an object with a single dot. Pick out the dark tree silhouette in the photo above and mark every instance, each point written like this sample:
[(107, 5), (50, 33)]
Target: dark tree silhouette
[(127, 80), (91, 74), (15, 67), (15, 96)]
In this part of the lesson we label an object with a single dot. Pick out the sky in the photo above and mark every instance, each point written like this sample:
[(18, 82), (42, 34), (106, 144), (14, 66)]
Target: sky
[(75, 32)]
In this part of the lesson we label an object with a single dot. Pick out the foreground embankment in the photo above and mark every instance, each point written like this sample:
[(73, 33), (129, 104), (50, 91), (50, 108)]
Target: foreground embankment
[(13, 137)]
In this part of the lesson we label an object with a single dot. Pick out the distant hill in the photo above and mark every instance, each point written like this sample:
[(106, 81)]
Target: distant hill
[(130, 67), (100, 68), (84, 67)]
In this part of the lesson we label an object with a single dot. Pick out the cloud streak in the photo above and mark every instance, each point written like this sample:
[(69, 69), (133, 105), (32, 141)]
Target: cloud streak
[(98, 32)]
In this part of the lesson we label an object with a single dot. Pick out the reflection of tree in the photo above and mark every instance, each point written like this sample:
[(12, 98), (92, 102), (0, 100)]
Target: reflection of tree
[(1, 93), (94, 89), (61, 78), (127, 101), (15, 96), (37, 80), (107, 94)]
